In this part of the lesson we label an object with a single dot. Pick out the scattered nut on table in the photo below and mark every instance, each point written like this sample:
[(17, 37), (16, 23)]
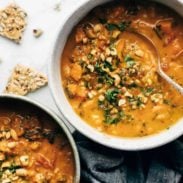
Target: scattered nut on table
[(57, 6), (37, 32)]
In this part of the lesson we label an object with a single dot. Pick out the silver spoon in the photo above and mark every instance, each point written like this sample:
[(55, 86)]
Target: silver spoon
[(159, 69)]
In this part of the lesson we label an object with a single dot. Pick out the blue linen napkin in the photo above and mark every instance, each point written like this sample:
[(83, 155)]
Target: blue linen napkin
[(100, 164)]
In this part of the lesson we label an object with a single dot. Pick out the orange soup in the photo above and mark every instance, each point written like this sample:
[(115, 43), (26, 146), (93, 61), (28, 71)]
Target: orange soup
[(110, 74), (33, 148)]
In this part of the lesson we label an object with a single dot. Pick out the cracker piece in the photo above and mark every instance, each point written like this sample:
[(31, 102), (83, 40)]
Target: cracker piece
[(24, 80), (12, 22)]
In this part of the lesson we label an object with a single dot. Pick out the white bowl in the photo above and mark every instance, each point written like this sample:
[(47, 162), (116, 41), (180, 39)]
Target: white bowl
[(68, 114)]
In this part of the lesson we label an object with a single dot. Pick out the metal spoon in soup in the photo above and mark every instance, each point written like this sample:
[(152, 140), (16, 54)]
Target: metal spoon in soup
[(147, 41)]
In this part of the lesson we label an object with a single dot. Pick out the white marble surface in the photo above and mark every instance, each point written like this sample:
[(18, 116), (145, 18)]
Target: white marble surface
[(35, 52)]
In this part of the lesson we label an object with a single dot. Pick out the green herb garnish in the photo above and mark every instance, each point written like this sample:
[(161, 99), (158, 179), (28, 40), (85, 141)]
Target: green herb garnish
[(129, 61), (165, 101), (112, 95), (1, 173), (133, 85), (103, 75), (90, 56), (122, 26), (102, 20), (108, 65), (113, 119), (139, 102), (12, 168), (109, 80), (147, 91), (98, 69), (111, 26)]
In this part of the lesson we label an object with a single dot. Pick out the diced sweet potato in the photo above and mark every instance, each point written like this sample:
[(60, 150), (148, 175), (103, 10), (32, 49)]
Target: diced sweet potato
[(72, 89), (76, 72), (80, 35), (81, 91), (120, 48), (66, 70), (175, 47), (166, 27), (76, 90)]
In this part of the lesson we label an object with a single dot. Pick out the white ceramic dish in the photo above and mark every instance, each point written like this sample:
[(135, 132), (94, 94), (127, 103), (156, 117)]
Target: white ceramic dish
[(66, 110)]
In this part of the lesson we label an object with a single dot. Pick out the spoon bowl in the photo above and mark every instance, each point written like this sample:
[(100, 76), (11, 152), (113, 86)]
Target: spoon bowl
[(159, 69)]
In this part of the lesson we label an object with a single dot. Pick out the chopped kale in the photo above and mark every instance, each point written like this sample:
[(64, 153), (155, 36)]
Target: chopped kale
[(102, 20), (130, 99), (165, 101), (139, 102), (122, 26), (133, 85), (129, 61), (13, 168), (109, 80), (100, 103), (99, 69), (128, 58), (90, 56), (108, 65), (82, 64), (103, 75), (87, 84), (111, 26), (147, 91), (113, 119), (1, 173), (106, 79), (112, 95)]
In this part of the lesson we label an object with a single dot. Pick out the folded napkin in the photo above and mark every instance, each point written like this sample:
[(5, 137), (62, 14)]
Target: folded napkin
[(104, 165)]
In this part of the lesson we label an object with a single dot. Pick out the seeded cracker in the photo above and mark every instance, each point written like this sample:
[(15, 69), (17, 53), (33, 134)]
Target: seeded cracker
[(24, 80), (12, 22)]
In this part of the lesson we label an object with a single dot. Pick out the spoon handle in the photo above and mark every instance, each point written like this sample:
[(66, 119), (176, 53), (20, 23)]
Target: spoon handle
[(159, 70), (171, 81)]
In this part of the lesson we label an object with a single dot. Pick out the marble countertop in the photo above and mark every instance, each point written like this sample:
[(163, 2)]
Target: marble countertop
[(33, 51)]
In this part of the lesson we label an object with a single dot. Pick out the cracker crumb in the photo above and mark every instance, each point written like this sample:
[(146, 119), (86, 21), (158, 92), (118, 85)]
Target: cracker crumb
[(12, 22), (24, 80), (37, 32), (57, 6)]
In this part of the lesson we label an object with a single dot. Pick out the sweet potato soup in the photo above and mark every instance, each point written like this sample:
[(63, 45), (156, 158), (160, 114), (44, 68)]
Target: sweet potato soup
[(109, 72), (32, 148)]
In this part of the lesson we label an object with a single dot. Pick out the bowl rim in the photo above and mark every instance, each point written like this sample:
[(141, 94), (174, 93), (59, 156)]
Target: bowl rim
[(120, 143), (59, 121)]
